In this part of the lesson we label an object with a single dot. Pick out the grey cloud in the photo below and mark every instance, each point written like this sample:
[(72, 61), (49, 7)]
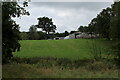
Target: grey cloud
[(73, 5), (67, 16)]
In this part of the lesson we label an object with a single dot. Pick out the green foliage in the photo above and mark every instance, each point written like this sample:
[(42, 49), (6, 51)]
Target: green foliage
[(33, 35), (10, 30), (115, 19), (106, 24), (101, 24), (87, 29), (91, 29), (92, 26), (66, 33), (24, 36), (115, 27), (81, 29), (46, 24), (42, 35)]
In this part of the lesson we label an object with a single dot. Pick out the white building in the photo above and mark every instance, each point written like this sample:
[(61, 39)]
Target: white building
[(79, 35)]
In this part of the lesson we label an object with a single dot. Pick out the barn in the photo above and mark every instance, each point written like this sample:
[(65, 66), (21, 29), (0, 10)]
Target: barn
[(79, 35)]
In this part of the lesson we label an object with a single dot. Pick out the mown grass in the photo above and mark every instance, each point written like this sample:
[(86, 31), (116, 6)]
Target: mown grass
[(72, 49)]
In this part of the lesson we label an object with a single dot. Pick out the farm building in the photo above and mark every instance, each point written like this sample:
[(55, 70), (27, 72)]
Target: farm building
[(79, 35)]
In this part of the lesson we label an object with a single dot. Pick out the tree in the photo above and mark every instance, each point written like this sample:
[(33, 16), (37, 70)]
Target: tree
[(24, 36), (33, 35), (46, 24), (83, 29), (92, 26), (103, 22), (91, 29), (66, 33), (115, 21), (10, 30), (42, 35), (80, 29), (115, 28)]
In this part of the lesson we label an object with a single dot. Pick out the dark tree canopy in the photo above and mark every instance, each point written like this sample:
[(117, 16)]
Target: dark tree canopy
[(107, 25), (84, 29), (101, 24), (80, 29), (115, 28), (46, 24), (33, 35), (115, 21), (10, 30), (24, 36)]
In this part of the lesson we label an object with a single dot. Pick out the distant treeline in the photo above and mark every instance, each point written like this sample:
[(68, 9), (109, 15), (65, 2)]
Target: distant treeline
[(106, 23), (39, 35)]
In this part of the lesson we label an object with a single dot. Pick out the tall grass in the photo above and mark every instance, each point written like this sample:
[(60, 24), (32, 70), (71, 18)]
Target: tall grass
[(59, 68)]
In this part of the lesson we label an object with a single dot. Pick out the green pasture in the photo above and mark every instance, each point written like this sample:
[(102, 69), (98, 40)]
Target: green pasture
[(71, 48), (57, 59)]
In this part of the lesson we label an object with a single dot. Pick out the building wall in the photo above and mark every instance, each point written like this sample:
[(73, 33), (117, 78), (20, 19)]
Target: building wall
[(72, 36), (79, 35)]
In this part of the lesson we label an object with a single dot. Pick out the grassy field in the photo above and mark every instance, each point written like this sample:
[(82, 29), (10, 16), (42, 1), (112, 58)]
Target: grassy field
[(61, 59), (72, 49)]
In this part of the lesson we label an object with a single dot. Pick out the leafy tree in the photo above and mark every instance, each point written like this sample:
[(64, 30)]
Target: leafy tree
[(46, 24), (33, 35), (24, 36), (115, 28), (103, 22), (92, 26), (66, 33), (80, 29), (91, 29), (10, 30), (115, 21), (83, 29), (42, 35)]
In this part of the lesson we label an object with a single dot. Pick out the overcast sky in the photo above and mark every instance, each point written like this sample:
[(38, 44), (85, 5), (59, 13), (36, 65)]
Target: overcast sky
[(67, 16)]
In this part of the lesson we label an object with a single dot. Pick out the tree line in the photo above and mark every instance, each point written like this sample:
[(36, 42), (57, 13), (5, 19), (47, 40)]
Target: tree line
[(106, 23), (40, 35)]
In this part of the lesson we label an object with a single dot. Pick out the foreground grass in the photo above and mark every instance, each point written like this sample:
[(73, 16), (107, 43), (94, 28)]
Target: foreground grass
[(94, 69), (72, 49)]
